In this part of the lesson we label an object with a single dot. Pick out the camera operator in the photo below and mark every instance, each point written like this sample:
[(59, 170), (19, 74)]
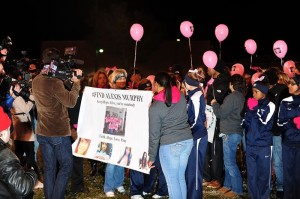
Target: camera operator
[(52, 100)]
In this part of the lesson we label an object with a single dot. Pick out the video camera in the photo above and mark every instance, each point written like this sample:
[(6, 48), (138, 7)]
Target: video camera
[(64, 68), (6, 43)]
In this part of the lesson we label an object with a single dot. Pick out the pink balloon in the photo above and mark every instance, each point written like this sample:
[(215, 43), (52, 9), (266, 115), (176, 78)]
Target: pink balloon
[(289, 68), (221, 32), (210, 59), (186, 29), (237, 69), (255, 77), (250, 46), (280, 48), (136, 31)]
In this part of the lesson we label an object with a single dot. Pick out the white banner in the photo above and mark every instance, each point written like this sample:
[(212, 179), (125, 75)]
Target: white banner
[(113, 127), (211, 120)]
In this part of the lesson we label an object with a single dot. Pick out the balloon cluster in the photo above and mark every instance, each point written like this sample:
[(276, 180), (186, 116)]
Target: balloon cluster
[(221, 32)]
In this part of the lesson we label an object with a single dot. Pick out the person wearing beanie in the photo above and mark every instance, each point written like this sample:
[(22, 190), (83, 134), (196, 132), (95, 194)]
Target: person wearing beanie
[(258, 122), (277, 92), (15, 182), (114, 174), (289, 121), (197, 120), (214, 163)]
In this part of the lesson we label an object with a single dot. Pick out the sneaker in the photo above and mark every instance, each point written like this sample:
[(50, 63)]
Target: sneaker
[(146, 194), (158, 196), (137, 197), (223, 190), (121, 189), (39, 185), (214, 184), (231, 194), (110, 194)]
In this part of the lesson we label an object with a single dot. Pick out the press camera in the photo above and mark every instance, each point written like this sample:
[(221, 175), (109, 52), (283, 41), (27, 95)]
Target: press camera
[(64, 68)]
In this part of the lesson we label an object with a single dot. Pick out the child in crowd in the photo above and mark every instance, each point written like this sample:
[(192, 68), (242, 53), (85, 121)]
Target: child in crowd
[(258, 121)]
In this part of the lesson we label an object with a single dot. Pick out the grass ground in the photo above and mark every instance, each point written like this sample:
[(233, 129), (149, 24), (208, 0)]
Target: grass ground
[(95, 186)]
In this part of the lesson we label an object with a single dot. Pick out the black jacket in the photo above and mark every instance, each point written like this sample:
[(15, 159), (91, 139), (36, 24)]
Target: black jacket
[(15, 182)]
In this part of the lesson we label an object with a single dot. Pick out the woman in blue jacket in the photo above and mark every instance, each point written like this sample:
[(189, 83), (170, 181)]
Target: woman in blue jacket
[(289, 120)]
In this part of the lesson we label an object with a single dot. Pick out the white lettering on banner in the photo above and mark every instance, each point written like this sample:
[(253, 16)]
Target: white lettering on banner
[(113, 127)]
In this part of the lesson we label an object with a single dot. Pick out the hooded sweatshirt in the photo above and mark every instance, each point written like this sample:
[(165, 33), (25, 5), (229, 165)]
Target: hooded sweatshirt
[(167, 125)]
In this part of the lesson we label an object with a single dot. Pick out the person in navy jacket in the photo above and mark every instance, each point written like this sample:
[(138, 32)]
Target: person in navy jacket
[(196, 118), (258, 121), (289, 120)]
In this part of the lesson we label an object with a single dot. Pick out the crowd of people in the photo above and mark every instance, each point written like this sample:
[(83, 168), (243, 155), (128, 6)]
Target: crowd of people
[(257, 109)]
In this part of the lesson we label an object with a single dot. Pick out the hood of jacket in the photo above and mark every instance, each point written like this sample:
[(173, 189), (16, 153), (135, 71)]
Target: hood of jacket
[(175, 95)]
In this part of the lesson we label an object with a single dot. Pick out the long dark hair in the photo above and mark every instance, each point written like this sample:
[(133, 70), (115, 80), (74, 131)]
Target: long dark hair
[(238, 83), (165, 80)]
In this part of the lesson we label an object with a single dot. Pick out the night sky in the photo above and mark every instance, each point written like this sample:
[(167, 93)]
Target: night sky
[(29, 23)]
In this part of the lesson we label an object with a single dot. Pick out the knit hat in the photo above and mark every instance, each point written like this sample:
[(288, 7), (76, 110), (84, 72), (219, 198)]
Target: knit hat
[(4, 120), (261, 86), (190, 81), (296, 78), (145, 84)]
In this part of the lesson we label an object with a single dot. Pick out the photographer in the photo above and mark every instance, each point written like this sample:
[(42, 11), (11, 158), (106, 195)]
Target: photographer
[(23, 134), (52, 100)]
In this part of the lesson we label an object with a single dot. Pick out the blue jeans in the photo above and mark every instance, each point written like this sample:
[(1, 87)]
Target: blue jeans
[(114, 177), (174, 158), (36, 143), (233, 179), (277, 160), (58, 163)]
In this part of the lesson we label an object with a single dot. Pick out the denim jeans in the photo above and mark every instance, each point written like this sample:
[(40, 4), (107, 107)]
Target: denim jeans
[(36, 143), (277, 161), (233, 179), (114, 177), (58, 162), (174, 158)]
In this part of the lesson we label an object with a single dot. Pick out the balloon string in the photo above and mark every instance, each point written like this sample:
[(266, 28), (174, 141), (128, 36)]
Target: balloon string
[(250, 61), (135, 49), (281, 62), (135, 55), (220, 50), (191, 54)]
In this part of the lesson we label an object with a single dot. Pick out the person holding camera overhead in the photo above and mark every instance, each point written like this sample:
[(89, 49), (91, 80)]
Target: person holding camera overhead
[(53, 131)]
